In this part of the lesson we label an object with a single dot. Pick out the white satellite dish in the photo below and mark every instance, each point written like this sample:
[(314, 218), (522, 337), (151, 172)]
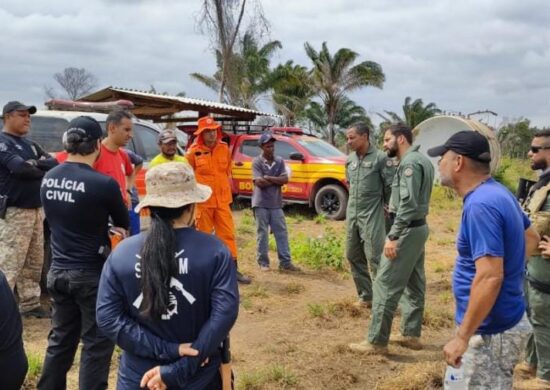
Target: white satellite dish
[(436, 130)]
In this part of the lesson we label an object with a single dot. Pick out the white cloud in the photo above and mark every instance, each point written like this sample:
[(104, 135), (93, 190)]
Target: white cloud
[(464, 56)]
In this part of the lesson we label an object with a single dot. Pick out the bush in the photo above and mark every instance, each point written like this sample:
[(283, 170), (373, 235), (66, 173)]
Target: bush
[(511, 170), (324, 251)]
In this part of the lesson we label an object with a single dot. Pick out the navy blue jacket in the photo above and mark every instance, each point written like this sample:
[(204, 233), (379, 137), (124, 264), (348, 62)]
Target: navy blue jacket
[(204, 306), (19, 179)]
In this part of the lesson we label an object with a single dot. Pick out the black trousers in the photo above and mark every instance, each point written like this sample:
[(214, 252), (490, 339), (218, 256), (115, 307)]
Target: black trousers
[(13, 366), (74, 294)]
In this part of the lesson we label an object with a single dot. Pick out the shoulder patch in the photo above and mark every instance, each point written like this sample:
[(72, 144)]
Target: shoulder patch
[(408, 171), (3, 147)]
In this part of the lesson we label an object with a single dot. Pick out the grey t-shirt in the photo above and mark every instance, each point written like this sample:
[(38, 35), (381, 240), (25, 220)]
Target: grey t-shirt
[(270, 197)]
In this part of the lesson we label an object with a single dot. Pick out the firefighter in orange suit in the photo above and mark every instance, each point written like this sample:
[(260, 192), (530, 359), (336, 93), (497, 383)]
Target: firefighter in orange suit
[(211, 159)]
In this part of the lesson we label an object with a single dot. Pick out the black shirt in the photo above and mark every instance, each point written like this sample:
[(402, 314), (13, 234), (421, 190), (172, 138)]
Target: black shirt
[(77, 202), (11, 328), (19, 179)]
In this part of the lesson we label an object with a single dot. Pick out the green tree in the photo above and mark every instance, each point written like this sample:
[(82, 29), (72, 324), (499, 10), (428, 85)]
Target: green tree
[(515, 138), (291, 91), (248, 75), (333, 76), (347, 114), (414, 112)]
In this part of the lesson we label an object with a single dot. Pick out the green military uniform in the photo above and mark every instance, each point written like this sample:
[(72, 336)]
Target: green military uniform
[(403, 277), (370, 179), (538, 284)]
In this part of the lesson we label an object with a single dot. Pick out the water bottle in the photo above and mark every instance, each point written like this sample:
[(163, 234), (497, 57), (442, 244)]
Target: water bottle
[(454, 378)]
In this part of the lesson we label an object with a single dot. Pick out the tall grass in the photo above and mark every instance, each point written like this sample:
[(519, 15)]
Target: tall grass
[(324, 251)]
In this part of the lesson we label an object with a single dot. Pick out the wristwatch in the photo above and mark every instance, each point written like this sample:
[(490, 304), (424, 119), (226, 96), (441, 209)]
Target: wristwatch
[(393, 237)]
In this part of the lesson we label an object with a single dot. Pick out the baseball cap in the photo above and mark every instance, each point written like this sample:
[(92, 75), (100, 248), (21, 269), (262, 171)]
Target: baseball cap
[(265, 138), (166, 136), (172, 185), (85, 126), (466, 143), (17, 106)]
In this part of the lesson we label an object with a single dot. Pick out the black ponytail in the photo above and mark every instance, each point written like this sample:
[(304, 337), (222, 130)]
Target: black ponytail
[(158, 263)]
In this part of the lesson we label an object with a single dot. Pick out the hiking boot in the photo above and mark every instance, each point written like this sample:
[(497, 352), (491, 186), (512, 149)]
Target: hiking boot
[(289, 267), (37, 312), (525, 371), (361, 304), (243, 279), (535, 384), (264, 267), (368, 348), (410, 342)]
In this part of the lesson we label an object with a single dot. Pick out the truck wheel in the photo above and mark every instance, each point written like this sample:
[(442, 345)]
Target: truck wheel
[(331, 200)]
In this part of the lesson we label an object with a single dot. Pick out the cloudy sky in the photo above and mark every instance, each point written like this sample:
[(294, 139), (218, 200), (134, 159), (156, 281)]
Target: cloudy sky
[(463, 55)]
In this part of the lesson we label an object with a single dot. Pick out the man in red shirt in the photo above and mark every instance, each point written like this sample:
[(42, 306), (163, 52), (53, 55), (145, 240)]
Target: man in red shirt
[(113, 160)]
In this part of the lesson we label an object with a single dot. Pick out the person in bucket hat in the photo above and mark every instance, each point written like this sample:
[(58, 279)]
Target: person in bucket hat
[(171, 282), (211, 159)]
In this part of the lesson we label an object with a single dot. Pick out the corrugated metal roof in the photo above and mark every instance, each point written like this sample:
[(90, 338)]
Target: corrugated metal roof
[(153, 106)]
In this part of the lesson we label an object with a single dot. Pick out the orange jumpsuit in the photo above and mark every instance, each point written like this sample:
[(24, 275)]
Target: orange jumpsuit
[(213, 168)]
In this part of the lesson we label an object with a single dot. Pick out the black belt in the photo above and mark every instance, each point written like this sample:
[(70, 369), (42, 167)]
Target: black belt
[(538, 285), (417, 222)]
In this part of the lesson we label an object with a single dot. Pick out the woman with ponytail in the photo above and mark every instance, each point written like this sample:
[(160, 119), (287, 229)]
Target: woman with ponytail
[(168, 297)]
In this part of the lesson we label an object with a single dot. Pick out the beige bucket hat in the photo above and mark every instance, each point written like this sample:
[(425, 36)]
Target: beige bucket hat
[(172, 185)]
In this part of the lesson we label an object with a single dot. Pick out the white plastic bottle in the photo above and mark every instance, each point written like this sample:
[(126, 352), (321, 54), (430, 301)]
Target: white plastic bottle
[(454, 378)]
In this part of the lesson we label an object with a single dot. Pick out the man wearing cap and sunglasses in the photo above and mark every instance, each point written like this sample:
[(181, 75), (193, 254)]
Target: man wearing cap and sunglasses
[(493, 239), (211, 160), (537, 204), (23, 163), (168, 144), (78, 202)]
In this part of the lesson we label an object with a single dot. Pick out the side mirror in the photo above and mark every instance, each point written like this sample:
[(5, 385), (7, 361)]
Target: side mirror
[(296, 156)]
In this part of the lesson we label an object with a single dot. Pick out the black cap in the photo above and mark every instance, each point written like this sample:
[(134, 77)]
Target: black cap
[(466, 143), (85, 126), (17, 106)]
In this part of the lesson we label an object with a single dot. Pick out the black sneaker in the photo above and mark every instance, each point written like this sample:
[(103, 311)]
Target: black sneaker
[(37, 313), (289, 267), (243, 279)]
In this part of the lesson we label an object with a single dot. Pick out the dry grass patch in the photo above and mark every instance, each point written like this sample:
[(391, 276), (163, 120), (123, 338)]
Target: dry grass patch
[(438, 318), (418, 376), (274, 376)]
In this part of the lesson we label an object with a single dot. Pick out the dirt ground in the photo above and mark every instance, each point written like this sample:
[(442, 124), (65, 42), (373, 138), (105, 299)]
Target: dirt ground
[(293, 329)]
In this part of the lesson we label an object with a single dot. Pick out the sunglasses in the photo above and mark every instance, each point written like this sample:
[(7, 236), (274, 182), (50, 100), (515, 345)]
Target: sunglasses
[(536, 149)]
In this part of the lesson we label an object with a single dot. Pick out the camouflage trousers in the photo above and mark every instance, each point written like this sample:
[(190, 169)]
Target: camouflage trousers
[(22, 253), (489, 360)]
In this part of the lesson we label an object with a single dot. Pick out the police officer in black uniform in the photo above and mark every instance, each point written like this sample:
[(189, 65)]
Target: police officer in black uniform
[(78, 202)]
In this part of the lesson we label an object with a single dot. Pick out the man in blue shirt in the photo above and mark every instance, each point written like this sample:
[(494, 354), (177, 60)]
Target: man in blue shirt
[(269, 175), (492, 242)]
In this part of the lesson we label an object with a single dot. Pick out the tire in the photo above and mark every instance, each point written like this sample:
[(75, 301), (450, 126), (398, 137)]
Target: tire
[(332, 201)]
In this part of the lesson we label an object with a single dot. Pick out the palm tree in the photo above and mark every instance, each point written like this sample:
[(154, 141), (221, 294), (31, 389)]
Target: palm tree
[(413, 113), (247, 75), (347, 114), (334, 76), (291, 91)]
